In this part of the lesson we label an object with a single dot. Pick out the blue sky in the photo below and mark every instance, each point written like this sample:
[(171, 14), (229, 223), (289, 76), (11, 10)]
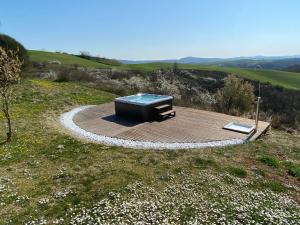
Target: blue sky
[(155, 29)]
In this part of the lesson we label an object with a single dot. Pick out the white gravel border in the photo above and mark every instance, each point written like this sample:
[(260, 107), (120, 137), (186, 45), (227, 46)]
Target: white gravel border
[(66, 120)]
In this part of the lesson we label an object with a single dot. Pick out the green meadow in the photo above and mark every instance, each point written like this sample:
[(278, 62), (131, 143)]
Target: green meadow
[(65, 59), (50, 177)]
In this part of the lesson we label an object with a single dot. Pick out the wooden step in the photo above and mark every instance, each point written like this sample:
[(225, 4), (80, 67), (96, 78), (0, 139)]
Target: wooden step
[(162, 106), (169, 112)]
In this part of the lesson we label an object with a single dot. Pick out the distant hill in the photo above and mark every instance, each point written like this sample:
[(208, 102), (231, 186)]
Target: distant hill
[(216, 61), (195, 60), (186, 60), (294, 68), (147, 61), (286, 63), (277, 64)]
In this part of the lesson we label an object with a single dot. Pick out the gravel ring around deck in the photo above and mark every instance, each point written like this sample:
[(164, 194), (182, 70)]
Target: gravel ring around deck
[(66, 120)]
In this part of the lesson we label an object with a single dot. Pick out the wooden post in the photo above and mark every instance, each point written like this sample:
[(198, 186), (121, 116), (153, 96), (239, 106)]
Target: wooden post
[(257, 113)]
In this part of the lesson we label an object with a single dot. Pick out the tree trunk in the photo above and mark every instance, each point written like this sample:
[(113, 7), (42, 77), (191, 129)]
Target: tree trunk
[(5, 109)]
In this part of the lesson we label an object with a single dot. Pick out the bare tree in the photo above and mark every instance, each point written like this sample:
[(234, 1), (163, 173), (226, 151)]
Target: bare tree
[(10, 69)]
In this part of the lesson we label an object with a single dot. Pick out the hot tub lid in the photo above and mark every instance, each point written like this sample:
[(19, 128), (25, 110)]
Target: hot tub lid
[(143, 98)]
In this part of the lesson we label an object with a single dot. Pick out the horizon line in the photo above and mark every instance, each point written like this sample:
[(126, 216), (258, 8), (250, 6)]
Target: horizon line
[(162, 59)]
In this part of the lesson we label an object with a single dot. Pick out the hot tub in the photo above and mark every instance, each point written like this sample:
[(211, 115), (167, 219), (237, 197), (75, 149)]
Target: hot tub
[(140, 107)]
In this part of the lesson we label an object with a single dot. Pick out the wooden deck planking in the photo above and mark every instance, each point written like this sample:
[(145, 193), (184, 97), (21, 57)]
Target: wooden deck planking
[(189, 125)]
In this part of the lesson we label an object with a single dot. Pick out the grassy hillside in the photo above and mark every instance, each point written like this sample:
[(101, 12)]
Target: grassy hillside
[(49, 177), (275, 77), (42, 56)]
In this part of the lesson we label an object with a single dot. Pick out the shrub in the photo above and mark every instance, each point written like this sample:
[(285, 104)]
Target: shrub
[(276, 121), (167, 87), (65, 74), (269, 160), (200, 97), (38, 65), (137, 84), (236, 97), (293, 169)]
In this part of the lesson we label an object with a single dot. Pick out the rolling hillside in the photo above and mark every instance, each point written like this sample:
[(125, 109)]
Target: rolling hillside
[(281, 78), (278, 64), (67, 59)]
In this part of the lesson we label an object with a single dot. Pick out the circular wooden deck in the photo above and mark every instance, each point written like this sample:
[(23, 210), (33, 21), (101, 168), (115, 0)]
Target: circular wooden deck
[(188, 127)]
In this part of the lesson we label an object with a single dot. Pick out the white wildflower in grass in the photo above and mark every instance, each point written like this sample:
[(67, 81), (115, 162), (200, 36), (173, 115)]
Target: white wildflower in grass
[(2, 188), (8, 193), (26, 172), (205, 199), (61, 174), (22, 199), (40, 221), (62, 194), (43, 201), (6, 157), (58, 221)]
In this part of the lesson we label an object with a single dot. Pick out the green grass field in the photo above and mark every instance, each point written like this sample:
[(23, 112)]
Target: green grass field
[(281, 78), (50, 177), (66, 59)]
